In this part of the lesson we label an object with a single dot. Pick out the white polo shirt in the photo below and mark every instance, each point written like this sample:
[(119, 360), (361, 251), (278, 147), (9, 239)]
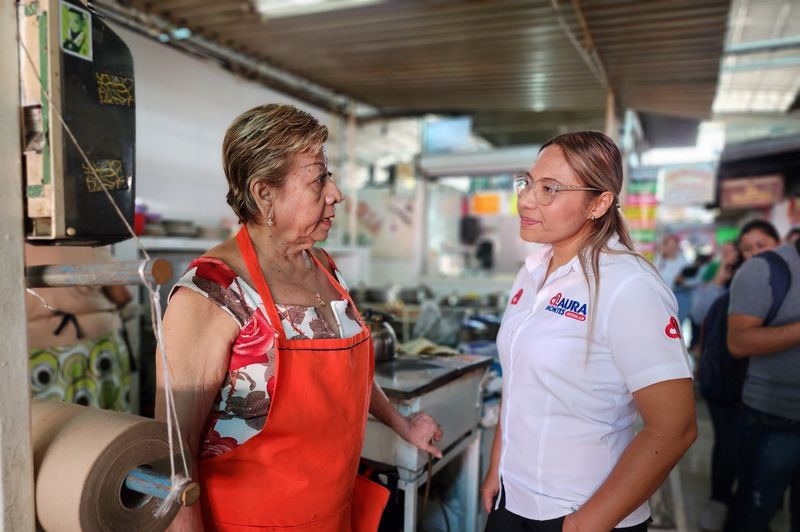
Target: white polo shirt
[(567, 413)]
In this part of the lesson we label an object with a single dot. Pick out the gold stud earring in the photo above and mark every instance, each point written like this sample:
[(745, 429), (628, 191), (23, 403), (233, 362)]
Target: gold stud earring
[(270, 221)]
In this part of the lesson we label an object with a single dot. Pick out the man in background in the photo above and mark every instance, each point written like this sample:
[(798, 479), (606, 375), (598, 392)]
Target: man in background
[(769, 422)]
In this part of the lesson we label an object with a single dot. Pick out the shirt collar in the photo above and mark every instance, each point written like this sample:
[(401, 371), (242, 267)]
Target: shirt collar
[(541, 256)]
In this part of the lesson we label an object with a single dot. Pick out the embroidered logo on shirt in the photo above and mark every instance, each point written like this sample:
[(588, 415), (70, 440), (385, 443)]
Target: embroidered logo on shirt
[(673, 330), (571, 308), (517, 297)]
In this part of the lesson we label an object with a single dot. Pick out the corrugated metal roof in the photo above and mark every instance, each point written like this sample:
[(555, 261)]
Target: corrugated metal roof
[(508, 62), (761, 68)]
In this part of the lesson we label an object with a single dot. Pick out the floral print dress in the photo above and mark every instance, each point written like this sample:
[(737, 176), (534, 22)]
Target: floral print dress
[(241, 406)]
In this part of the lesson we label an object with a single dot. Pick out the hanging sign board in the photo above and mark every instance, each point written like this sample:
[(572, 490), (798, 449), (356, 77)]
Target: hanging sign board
[(688, 185), (760, 191)]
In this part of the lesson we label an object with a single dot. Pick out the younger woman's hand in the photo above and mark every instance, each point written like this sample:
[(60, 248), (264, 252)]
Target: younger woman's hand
[(489, 490)]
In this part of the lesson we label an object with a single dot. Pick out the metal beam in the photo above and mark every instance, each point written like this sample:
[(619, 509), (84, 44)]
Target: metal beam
[(587, 52), (16, 455), (766, 45), (760, 65)]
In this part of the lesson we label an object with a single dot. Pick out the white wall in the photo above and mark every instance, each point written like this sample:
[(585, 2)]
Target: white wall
[(183, 107)]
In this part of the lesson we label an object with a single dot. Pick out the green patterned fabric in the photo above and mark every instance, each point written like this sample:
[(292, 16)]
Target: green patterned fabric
[(94, 372)]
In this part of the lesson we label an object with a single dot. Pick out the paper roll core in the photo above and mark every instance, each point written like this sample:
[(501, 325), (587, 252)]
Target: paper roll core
[(133, 500)]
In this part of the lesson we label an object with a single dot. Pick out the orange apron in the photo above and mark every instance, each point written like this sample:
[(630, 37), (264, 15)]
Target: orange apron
[(299, 472)]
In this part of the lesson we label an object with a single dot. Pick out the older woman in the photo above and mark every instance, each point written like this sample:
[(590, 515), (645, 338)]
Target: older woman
[(272, 364), (589, 337)]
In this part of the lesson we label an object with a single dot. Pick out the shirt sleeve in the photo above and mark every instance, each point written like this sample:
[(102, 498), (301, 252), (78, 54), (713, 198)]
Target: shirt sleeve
[(644, 335), (750, 289), (219, 284)]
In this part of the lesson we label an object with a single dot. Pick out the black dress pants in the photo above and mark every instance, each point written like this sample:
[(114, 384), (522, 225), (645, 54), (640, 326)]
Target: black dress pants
[(501, 520)]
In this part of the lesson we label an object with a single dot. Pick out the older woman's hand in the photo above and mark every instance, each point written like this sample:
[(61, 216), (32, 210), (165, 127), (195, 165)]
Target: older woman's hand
[(422, 431)]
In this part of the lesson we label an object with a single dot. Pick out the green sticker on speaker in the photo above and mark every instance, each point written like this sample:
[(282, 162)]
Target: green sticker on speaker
[(76, 31)]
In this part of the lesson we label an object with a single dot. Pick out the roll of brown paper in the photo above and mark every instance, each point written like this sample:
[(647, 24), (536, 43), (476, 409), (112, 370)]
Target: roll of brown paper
[(81, 458)]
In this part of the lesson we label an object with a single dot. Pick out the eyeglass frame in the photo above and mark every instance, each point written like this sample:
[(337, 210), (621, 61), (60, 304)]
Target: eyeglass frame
[(558, 187)]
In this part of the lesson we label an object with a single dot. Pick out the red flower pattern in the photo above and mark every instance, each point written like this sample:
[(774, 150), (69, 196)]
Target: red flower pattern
[(320, 328), (215, 445), (214, 270), (252, 345)]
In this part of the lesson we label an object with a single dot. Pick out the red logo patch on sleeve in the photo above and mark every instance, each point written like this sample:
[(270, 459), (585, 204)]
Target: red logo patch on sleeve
[(517, 297), (673, 330)]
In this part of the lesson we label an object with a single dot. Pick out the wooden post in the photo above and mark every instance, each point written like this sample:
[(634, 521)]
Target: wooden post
[(350, 165), (612, 123), (16, 456)]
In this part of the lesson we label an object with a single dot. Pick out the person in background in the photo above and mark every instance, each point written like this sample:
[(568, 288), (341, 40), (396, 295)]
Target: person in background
[(575, 370), (715, 280), (769, 420), (793, 235), (486, 248), (761, 236), (271, 362), (721, 377), (670, 260), (670, 263), (686, 284), (76, 338)]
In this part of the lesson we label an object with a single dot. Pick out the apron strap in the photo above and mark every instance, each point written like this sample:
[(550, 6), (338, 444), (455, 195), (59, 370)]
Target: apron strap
[(251, 260)]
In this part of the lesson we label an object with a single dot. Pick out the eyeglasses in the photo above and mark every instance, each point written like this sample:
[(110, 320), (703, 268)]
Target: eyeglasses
[(544, 191)]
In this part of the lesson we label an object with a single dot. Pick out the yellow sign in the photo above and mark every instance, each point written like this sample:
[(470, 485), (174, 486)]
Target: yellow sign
[(639, 212)]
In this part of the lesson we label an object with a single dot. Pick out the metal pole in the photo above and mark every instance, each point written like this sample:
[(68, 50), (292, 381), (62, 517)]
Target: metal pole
[(157, 485), (157, 271), (16, 455)]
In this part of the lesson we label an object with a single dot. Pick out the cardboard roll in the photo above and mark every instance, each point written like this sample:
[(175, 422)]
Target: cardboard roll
[(82, 456)]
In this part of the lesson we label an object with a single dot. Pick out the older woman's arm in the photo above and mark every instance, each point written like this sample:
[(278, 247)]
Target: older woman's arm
[(419, 428), (198, 336), (668, 411)]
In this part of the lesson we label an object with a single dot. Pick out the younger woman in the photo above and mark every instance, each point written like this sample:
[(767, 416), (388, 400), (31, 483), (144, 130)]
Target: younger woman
[(589, 338)]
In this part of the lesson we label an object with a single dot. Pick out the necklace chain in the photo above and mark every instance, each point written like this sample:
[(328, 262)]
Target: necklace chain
[(320, 301)]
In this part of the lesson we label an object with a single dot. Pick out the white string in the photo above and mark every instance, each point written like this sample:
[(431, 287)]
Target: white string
[(41, 299), (178, 481), (50, 307)]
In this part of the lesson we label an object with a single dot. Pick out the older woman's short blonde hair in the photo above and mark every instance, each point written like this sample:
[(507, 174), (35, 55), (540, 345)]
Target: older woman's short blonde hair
[(260, 145)]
